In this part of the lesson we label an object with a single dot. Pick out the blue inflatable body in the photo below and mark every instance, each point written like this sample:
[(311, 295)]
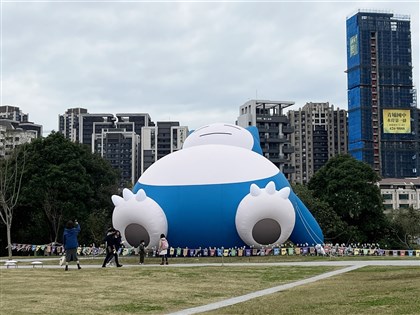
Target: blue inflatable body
[(217, 191)]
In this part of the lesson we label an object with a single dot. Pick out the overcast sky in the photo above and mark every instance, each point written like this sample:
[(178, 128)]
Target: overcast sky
[(193, 62)]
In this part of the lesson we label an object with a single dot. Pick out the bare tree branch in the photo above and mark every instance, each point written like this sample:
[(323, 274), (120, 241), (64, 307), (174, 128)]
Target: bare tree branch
[(11, 174)]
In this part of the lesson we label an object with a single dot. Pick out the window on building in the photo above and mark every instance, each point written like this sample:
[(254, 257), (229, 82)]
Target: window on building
[(403, 196), (387, 196)]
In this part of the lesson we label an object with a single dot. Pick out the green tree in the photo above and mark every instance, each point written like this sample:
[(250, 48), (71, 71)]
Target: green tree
[(349, 187), (64, 180), (331, 224), (406, 225)]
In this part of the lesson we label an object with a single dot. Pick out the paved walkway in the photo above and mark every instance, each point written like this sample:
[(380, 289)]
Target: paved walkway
[(342, 263)]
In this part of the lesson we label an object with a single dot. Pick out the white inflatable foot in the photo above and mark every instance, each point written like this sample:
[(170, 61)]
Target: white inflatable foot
[(265, 216), (138, 217)]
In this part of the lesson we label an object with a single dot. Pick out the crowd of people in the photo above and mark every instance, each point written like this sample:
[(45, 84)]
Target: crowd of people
[(113, 244)]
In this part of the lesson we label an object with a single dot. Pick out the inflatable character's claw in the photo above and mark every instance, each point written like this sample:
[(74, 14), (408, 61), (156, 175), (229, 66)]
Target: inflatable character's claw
[(285, 192), (116, 200), (254, 190), (127, 194), (141, 195), (270, 188)]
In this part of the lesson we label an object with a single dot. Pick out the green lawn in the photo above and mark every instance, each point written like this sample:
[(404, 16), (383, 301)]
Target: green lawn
[(369, 290), (163, 289), (139, 290)]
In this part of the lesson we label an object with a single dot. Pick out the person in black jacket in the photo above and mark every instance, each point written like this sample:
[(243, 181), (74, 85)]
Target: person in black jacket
[(142, 251), (118, 241), (118, 245), (111, 247)]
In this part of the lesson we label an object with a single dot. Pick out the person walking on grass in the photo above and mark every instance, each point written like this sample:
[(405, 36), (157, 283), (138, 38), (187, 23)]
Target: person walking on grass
[(163, 249), (111, 247), (70, 243)]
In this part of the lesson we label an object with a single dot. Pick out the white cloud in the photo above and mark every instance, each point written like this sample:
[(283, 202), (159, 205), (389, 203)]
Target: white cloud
[(191, 62)]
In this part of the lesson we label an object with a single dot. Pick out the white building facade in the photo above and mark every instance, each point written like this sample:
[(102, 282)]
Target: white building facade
[(400, 193)]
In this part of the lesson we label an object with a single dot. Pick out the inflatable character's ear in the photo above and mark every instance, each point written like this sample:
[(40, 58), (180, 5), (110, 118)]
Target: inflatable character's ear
[(254, 132)]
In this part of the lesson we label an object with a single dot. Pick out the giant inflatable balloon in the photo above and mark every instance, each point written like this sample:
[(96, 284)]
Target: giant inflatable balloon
[(219, 190)]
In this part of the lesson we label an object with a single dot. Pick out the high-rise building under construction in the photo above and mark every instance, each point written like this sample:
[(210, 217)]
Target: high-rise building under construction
[(382, 109)]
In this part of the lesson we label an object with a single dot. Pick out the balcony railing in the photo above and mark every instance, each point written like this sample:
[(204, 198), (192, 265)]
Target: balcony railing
[(288, 149), (268, 118)]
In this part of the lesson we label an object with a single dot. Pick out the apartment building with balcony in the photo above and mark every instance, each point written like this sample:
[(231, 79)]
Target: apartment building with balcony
[(274, 129), (129, 141), (320, 132), (160, 140), (15, 129)]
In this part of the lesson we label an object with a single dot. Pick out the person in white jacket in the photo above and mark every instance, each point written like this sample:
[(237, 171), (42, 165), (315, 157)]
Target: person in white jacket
[(163, 249)]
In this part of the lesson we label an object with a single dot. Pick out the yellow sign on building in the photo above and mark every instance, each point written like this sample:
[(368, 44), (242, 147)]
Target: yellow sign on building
[(396, 121)]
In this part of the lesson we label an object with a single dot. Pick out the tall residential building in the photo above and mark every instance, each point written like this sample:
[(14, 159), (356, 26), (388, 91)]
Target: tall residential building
[(417, 157), (382, 109), (92, 124), (160, 140), (68, 123), (12, 135), (121, 148), (15, 129), (118, 139), (320, 132), (14, 114), (273, 127), (133, 122)]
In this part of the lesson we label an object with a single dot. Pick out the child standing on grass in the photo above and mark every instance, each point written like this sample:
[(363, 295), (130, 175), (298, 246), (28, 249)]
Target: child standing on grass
[(163, 249)]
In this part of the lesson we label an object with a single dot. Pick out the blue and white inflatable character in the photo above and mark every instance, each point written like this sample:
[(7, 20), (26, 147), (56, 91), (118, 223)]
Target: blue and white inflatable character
[(219, 190)]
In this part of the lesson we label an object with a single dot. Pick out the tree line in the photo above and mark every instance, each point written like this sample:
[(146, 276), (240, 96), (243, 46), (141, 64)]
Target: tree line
[(51, 180), (346, 201)]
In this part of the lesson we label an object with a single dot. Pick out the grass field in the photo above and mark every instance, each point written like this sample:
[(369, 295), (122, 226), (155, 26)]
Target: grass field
[(151, 290), (369, 290), (165, 289)]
